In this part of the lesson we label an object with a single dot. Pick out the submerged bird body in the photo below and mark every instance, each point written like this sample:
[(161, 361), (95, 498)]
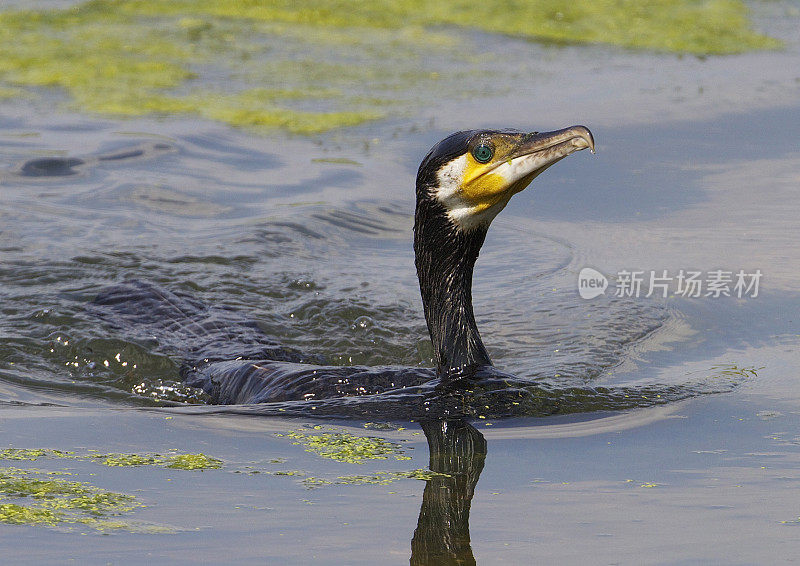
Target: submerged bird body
[(462, 184)]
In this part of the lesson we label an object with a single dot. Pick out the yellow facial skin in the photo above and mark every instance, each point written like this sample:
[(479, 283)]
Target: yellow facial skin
[(483, 189), (483, 184)]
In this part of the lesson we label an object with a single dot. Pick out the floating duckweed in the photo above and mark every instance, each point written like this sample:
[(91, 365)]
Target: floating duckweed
[(425, 475), (669, 25), (145, 528), (121, 59), (56, 501), (19, 515), (313, 482), (33, 454), (203, 57), (378, 478), (6, 92), (345, 447), (385, 478), (124, 460), (175, 461), (19, 483), (194, 462), (95, 504), (382, 426), (241, 112)]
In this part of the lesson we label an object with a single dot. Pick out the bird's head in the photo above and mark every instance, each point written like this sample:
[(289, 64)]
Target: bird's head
[(473, 174), (462, 184)]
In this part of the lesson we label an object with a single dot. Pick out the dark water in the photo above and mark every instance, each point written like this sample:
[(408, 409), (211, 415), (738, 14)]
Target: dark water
[(332, 283), (281, 238), (324, 282)]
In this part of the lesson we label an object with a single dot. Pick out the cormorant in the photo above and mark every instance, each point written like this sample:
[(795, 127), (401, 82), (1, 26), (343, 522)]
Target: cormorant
[(462, 184)]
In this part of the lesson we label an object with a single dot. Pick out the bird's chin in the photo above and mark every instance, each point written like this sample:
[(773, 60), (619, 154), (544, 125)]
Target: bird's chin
[(478, 218)]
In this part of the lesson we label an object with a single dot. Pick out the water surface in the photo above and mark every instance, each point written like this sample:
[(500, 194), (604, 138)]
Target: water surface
[(697, 168)]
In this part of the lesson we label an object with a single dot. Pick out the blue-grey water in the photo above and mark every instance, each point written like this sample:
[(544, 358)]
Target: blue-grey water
[(698, 168)]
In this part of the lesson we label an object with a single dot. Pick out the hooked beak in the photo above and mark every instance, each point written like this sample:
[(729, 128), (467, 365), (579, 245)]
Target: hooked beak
[(538, 151)]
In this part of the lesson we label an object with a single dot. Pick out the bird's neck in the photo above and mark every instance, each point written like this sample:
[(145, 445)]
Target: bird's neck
[(445, 258)]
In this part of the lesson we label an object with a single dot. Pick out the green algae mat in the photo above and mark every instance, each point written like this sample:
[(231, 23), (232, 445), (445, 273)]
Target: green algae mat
[(54, 499), (308, 67), (59, 499)]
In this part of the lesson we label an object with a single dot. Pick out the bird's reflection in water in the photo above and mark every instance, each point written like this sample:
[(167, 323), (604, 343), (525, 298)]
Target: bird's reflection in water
[(457, 452)]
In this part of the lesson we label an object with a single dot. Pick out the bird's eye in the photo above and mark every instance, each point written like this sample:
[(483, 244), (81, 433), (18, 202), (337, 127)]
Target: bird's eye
[(483, 153)]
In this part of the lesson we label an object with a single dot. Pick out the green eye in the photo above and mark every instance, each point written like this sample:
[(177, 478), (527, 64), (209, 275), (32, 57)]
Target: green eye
[(482, 153)]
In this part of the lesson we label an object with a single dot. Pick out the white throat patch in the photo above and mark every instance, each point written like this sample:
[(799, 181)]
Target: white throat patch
[(462, 214)]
